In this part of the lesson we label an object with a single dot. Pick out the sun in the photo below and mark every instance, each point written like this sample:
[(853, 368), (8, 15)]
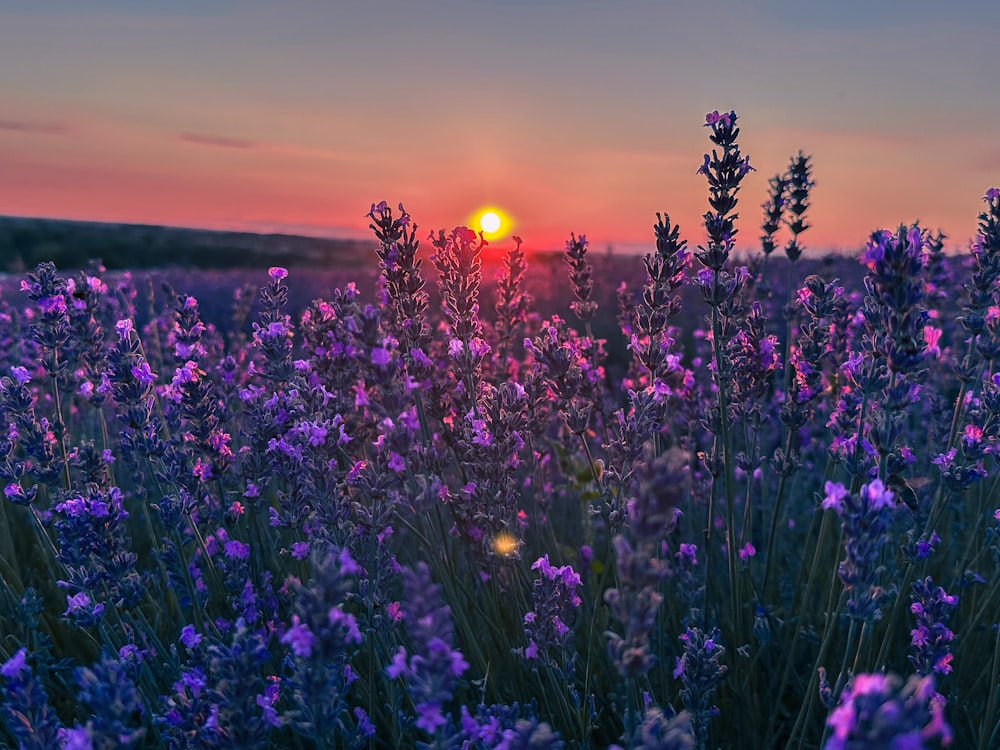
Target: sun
[(493, 222), (490, 222)]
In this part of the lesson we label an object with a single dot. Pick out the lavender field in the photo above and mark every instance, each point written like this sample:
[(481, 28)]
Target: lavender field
[(732, 503)]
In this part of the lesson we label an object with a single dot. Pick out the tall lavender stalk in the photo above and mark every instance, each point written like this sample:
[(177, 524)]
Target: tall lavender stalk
[(459, 263), (724, 173)]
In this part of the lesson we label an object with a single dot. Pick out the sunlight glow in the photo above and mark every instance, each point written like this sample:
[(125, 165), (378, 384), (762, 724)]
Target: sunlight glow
[(489, 221), (505, 544), (493, 222)]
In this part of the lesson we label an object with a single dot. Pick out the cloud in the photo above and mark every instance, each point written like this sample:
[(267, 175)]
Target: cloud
[(282, 149), (217, 140), (33, 126)]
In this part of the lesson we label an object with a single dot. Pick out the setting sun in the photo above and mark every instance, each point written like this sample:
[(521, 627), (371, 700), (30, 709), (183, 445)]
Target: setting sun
[(492, 222), (489, 221)]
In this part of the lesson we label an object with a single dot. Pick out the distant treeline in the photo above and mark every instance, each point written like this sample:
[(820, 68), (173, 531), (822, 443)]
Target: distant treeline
[(24, 243)]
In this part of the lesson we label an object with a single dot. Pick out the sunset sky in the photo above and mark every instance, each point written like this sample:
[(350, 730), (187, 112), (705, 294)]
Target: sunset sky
[(570, 115)]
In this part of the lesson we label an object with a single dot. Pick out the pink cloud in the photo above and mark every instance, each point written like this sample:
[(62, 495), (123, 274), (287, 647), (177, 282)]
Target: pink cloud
[(217, 140), (34, 126)]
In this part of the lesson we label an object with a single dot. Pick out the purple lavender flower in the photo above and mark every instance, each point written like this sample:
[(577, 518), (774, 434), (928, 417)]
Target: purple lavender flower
[(800, 183), (21, 375), (894, 340), (700, 670), (78, 738), (24, 706), (93, 546), (930, 640), (82, 610), (724, 173), (662, 730), (225, 696), (110, 692), (322, 638), (299, 639), (513, 303), (272, 333), (635, 603), (866, 517), (580, 277), (432, 670), (530, 735), (774, 209), (878, 711), (404, 286), (548, 626), (189, 637)]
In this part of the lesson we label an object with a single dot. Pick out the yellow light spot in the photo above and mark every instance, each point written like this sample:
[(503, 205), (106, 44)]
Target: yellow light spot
[(489, 222), (505, 544), (494, 223)]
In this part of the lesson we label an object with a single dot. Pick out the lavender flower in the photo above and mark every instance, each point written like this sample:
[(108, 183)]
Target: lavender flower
[(401, 268), (724, 173), (700, 670), (322, 639), (580, 278), (800, 184), (109, 691), (512, 306), (459, 263), (866, 517), (662, 730), (530, 735), (272, 335), (431, 669), (878, 711), (635, 603), (96, 551), (42, 458), (894, 292), (653, 341), (51, 330), (894, 340), (930, 640), (548, 626), (774, 209), (226, 695), (24, 708)]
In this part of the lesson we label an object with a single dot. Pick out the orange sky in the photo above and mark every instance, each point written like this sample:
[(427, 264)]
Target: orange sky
[(583, 117)]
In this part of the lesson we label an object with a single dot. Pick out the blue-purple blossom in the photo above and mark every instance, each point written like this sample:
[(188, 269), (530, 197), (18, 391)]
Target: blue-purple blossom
[(930, 640), (432, 670), (189, 637), (299, 638), (548, 626), (82, 609), (662, 730), (24, 705), (878, 711), (700, 670), (866, 517)]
